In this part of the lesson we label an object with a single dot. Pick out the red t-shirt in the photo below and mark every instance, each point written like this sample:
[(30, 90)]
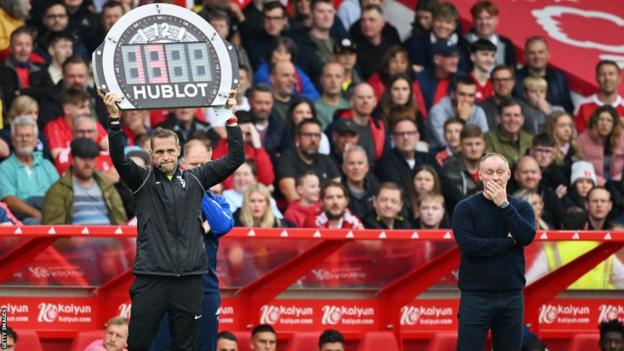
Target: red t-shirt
[(59, 133), (483, 91), (587, 107), (266, 174)]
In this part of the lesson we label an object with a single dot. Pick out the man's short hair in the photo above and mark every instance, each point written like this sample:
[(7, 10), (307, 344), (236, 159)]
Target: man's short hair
[(163, 133), (509, 102), (402, 119), (252, 166), (262, 328), (227, 336), (487, 6), (536, 38), (430, 196), (272, 5), (482, 45), (388, 186), (314, 2), (446, 10), (74, 60), (575, 219), (471, 131), (463, 81), (301, 177), (373, 7), (286, 42), (454, 120), (259, 88), (217, 14), (330, 336), (23, 30), (112, 4), (607, 63), (611, 326), (503, 67), (493, 154), (334, 184), (596, 188), (351, 148), (535, 83), (24, 121), (306, 122), (56, 37), (117, 321), (196, 142), (544, 139), (73, 96)]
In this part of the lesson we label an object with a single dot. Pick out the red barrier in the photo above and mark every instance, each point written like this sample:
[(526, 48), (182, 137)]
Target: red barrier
[(63, 279)]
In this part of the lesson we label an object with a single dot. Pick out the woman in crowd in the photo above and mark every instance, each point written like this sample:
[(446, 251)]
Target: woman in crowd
[(601, 144), (583, 179), (400, 93), (256, 211), (561, 127), (425, 181), (285, 49), (243, 179), (394, 61), (22, 105), (299, 110)]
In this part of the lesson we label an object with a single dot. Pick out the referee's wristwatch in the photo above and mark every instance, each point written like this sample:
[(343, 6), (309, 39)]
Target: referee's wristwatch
[(504, 204)]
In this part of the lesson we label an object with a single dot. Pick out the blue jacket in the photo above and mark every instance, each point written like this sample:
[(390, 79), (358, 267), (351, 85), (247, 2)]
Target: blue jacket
[(303, 80), (216, 211)]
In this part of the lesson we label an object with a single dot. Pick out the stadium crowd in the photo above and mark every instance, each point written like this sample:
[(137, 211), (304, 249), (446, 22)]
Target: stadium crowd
[(345, 125)]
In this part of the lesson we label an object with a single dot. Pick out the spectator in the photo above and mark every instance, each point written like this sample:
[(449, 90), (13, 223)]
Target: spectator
[(537, 56), (75, 75), (528, 176), (274, 22), (299, 110), (255, 210), (304, 157), (59, 48), (534, 198), (183, 122), (483, 58), (334, 211), (583, 179), (402, 92), (12, 16), (394, 61), (55, 21), (242, 101), (134, 123), (609, 78), (345, 53), (423, 17), (388, 206), (263, 338), (331, 100), (23, 105), (308, 188), (345, 132), (285, 49), (82, 195), (372, 44), (503, 81), (226, 341), (360, 183), (462, 169), (58, 132), (243, 179), (331, 340), (398, 164), (602, 144), (611, 335), (443, 31), (452, 132), (485, 19), (221, 20), (534, 95), (115, 336), (25, 176), (430, 209), (110, 14), (372, 133), (302, 17), (20, 56), (253, 21), (598, 205), (425, 180), (350, 11), (461, 104), (553, 175), (436, 81), (561, 127), (11, 335), (272, 129), (253, 151), (508, 139)]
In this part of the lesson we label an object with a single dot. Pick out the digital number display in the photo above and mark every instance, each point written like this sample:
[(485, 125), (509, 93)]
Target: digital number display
[(166, 63)]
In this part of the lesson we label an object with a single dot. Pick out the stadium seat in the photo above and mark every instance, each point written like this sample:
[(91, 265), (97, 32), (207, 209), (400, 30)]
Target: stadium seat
[(585, 342), (84, 338), (304, 341), (375, 341), (28, 340), (443, 342), (243, 338)]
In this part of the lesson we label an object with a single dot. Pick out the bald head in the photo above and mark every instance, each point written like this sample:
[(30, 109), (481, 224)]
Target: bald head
[(528, 173), (331, 78), (363, 100), (283, 79)]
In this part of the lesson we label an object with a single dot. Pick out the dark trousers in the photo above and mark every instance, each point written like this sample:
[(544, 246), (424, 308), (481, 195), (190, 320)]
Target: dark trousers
[(208, 327), (152, 297), (479, 312)]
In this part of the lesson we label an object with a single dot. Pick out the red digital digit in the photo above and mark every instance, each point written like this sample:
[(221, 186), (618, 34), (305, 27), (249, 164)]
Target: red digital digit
[(156, 64)]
